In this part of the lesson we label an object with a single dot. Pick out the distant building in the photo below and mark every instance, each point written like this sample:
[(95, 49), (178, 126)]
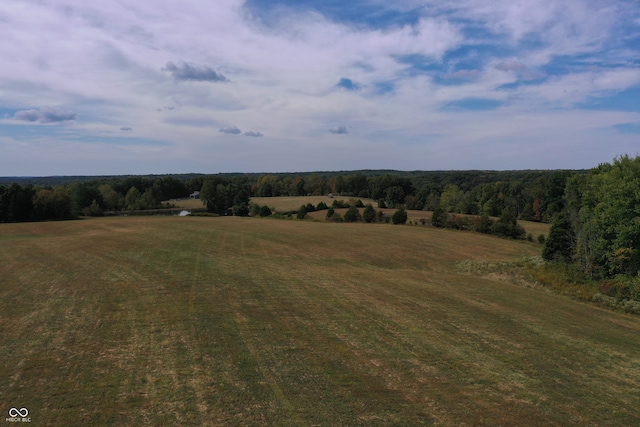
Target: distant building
[(194, 195)]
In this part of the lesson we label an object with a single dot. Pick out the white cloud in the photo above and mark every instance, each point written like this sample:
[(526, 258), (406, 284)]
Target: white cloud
[(45, 115), (116, 63)]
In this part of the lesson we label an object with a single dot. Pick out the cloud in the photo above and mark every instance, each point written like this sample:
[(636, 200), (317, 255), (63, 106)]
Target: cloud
[(254, 134), (126, 128), (511, 66), (45, 115), (231, 130), (202, 73), (462, 74), (521, 70), (339, 130)]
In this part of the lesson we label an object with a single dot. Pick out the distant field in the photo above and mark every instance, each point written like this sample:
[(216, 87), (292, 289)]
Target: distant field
[(248, 321), (292, 203)]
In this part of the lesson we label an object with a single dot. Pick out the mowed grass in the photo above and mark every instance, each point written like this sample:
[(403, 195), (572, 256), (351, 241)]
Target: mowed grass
[(290, 203), (248, 321)]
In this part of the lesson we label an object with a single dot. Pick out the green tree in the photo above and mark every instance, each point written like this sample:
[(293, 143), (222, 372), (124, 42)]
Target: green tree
[(399, 216), (241, 199), (265, 211), (439, 218), (452, 198), (302, 212), (394, 196), (352, 214), (132, 199), (507, 226), (485, 224), (112, 200), (560, 244), (369, 214), (614, 192)]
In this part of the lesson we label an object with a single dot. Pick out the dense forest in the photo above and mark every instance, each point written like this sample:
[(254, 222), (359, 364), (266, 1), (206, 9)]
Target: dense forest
[(531, 195)]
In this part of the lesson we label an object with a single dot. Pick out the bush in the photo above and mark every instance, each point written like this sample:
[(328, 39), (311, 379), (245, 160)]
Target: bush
[(335, 217), (359, 204), (369, 214), (254, 209), (541, 239), (302, 213), (321, 206), (399, 217), (92, 210), (330, 213), (507, 226), (485, 224), (265, 211), (309, 207), (439, 218), (352, 215)]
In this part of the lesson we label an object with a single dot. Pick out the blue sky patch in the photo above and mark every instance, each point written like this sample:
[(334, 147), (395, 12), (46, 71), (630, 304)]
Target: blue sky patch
[(628, 128), (347, 84)]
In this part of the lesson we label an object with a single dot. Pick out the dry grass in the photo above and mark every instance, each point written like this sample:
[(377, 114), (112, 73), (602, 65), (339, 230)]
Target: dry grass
[(241, 321)]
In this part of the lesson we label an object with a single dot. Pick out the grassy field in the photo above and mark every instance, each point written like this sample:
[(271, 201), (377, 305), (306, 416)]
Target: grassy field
[(248, 321), (292, 203)]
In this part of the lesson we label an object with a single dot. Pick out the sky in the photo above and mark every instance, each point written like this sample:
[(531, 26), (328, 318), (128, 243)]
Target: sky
[(163, 86)]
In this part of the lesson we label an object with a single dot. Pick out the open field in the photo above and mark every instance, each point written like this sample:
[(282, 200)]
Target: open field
[(248, 321)]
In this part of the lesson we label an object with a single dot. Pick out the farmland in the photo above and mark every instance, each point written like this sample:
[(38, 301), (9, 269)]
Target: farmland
[(248, 321)]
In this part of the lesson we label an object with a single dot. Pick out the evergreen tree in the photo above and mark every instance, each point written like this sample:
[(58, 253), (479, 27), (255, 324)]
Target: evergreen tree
[(352, 214), (560, 244), (399, 217), (369, 214)]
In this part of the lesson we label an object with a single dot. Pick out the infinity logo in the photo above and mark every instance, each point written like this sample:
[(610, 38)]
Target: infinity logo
[(23, 412)]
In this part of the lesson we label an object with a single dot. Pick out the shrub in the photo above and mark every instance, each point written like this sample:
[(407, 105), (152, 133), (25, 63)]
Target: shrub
[(507, 226), (352, 215), (359, 204), (369, 214), (439, 218), (399, 217), (485, 224), (254, 209), (321, 206), (302, 213), (265, 211), (336, 217), (541, 239), (330, 213), (309, 207), (92, 210)]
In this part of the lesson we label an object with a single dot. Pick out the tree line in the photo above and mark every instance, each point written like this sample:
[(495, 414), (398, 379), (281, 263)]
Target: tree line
[(31, 202), (530, 195), (598, 227)]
